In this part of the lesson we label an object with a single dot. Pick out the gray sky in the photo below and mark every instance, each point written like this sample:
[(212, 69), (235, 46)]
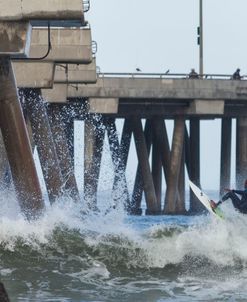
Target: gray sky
[(162, 34)]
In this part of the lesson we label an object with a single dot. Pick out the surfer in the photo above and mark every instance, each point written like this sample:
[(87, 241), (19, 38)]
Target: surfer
[(239, 204)]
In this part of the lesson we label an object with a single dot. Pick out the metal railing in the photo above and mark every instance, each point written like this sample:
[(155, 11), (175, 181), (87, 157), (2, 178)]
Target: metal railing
[(167, 75)]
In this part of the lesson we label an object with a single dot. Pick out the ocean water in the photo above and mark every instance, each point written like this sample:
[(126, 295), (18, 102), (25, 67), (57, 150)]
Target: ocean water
[(109, 256)]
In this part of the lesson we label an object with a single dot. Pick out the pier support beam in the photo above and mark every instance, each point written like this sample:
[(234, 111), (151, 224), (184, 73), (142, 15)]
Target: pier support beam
[(43, 139), (187, 151), (5, 173), (93, 147), (125, 142), (63, 153), (138, 185), (195, 206), (120, 189), (17, 144), (159, 128), (156, 163), (181, 185), (175, 163), (241, 151), (142, 153), (68, 120), (225, 160)]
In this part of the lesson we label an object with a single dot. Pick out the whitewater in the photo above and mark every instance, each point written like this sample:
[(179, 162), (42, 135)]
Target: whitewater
[(69, 254)]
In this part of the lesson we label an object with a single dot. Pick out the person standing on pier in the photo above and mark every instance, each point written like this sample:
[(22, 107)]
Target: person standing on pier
[(193, 74), (239, 204), (236, 75)]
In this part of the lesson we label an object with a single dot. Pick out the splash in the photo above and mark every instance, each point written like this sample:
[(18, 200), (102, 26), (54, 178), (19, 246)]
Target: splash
[(115, 239)]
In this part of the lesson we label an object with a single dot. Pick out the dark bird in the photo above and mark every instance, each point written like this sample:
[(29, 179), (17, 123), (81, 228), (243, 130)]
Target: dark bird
[(168, 70), (138, 69)]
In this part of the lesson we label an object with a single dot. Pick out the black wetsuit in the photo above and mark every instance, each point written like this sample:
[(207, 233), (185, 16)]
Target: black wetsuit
[(239, 204)]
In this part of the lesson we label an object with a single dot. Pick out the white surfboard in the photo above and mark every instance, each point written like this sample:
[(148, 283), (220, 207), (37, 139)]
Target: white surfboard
[(205, 200)]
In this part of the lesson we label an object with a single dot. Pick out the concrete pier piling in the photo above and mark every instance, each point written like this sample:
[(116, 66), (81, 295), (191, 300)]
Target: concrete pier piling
[(67, 76), (195, 206), (62, 150), (156, 165), (139, 183), (43, 139), (225, 160), (241, 153), (17, 144), (120, 188), (147, 180), (93, 147), (175, 164)]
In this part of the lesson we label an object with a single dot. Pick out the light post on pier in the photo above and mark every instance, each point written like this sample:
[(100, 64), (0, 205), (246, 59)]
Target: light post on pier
[(200, 37)]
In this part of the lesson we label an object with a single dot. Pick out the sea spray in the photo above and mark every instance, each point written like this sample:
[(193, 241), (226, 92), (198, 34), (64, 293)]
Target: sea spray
[(72, 254)]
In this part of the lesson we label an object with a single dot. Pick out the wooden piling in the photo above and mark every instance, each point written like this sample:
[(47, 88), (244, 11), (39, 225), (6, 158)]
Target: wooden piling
[(43, 139), (17, 144), (175, 163), (225, 160)]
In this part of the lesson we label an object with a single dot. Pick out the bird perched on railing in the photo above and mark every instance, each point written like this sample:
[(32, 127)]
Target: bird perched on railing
[(138, 69)]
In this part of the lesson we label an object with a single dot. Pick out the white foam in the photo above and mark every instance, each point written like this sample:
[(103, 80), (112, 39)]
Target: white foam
[(221, 241)]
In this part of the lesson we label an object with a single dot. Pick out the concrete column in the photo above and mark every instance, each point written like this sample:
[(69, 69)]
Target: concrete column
[(120, 189), (159, 129), (43, 139), (60, 139), (138, 185), (90, 190), (156, 164), (225, 160), (93, 147), (142, 154), (175, 163), (125, 141), (17, 144), (30, 132), (162, 140), (5, 173), (187, 151), (241, 151), (180, 209), (195, 206), (69, 131)]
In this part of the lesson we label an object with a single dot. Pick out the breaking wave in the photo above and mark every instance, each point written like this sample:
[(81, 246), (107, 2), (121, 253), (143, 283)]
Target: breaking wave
[(66, 252)]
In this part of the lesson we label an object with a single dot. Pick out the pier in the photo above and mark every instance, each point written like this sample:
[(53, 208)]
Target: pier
[(49, 79)]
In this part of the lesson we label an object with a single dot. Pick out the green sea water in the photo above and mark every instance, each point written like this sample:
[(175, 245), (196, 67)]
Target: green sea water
[(109, 256)]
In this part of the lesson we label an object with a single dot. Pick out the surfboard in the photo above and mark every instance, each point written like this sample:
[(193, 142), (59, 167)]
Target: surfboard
[(205, 200)]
